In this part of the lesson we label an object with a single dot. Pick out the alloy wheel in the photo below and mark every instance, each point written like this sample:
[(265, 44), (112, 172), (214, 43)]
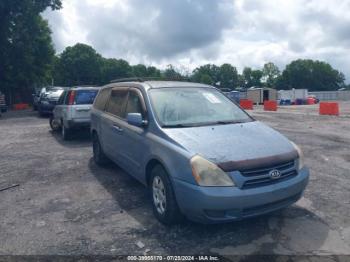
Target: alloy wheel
[(159, 195)]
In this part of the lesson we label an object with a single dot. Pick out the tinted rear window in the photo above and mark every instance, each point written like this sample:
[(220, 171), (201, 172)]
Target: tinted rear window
[(102, 98), (117, 102), (85, 97)]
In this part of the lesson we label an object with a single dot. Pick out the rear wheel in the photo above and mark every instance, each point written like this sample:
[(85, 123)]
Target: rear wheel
[(99, 156), (164, 203), (55, 126), (66, 132)]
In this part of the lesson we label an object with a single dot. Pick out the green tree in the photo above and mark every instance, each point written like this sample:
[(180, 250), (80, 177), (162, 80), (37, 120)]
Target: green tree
[(271, 74), (228, 76), (206, 79), (139, 70), (26, 51), (256, 76), (209, 69), (153, 72), (311, 75), (80, 65), (240, 81), (252, 77), (247, 75), (114, 69), (171, 73)]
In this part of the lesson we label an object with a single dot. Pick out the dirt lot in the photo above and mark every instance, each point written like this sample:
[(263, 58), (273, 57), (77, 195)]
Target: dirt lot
[(65, 204)]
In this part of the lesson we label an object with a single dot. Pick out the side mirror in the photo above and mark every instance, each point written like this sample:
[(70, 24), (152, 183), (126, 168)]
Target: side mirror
[(135, 119)]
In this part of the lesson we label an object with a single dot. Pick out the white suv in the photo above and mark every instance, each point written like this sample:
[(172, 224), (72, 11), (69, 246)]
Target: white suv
[(73, 110)]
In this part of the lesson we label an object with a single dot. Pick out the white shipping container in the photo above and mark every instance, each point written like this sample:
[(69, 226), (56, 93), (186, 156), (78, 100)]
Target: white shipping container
[(293, 94)]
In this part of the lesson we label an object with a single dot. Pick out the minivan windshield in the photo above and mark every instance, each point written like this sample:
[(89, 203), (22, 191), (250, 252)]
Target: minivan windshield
[(186, 107)]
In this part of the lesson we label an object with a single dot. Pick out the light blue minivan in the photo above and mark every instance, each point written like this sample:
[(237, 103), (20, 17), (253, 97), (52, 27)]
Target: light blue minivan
[(200, 154)]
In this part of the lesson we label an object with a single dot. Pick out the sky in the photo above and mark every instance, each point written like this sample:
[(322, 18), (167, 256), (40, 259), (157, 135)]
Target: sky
[(189, 33)]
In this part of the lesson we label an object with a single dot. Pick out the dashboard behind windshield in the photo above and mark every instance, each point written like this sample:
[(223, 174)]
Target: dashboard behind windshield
[(182, 107)]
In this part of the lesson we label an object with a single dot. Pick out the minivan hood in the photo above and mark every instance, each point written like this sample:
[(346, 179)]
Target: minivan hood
[(234, 142)]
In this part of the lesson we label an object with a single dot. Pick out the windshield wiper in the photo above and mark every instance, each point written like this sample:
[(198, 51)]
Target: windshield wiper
[(177, 126), (229, 122), (204, 124)]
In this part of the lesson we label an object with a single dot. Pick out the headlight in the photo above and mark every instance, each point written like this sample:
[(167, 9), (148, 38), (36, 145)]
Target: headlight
[(301, 156), (208, 174)]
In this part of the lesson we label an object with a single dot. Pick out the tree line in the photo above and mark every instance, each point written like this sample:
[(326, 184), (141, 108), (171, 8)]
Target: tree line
[(28, 60), (81, 65)]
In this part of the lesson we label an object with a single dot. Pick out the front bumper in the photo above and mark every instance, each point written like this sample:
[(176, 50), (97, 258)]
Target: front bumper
[(223, 204)]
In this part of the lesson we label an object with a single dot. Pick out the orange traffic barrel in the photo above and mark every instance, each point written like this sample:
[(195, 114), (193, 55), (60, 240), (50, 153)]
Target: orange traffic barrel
[(270, 105), (329, 108), (246, 104)]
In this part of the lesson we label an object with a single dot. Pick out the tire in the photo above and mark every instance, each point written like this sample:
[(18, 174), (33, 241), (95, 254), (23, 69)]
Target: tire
[(167, 213), (66, 132), (99, 156), (54, 125)]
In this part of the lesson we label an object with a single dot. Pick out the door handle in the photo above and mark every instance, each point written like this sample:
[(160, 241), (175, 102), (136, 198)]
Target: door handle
[(117, 128)]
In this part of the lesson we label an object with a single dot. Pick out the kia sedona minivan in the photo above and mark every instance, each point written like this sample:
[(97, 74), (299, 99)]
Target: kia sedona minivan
[(199, 153)]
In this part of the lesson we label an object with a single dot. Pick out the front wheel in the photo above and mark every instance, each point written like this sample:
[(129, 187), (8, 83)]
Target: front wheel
[(55, 126), (99, 156), (164, 203)]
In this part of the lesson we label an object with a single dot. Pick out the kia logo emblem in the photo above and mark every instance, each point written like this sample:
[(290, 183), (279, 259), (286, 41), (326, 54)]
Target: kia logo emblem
[(275, 174)]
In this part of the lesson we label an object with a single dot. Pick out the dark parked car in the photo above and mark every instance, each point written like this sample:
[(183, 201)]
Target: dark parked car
[(48, 99), (3, 106), (36, 97), (233, 95)]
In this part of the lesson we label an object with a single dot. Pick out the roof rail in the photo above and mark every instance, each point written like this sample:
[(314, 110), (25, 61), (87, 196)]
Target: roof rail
[(130, 79), (78, 86), (143, 79)]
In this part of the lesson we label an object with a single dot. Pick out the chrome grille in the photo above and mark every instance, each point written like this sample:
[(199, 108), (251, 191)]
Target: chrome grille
[(266, 170), (260, 176)]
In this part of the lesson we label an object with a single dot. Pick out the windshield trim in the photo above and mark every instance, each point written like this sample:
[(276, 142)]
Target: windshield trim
[(189, 125), (217, 123)]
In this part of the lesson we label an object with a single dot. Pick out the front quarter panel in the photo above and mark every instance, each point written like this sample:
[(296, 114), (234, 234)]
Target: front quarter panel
[(175, 159)]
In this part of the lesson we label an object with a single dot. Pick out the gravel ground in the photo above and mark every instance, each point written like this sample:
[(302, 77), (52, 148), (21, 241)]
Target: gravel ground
[(67, 205)]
